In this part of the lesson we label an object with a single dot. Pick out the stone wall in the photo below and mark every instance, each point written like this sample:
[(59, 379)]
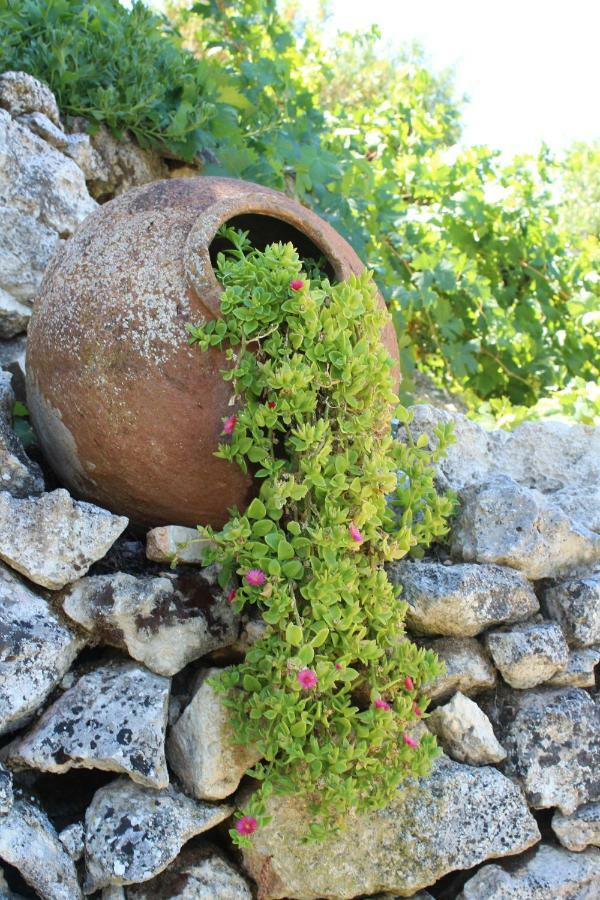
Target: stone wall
[(118, 774)]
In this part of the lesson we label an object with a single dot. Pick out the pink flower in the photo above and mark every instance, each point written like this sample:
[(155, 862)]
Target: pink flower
[(355, 533), (296, 284), (417, 710), (381, 704), (307, 679), (409, 683), (410, 742), (255, 577), (246, 825), (271, 404), (229, 424), (338, 665), (231, 595)]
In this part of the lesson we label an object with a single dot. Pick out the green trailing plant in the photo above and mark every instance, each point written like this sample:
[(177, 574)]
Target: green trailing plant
[(330, 694)]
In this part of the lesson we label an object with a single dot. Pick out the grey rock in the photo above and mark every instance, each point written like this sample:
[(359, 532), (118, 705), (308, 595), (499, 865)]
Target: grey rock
[(36, 650), (164, 621), (43, 199), (201, 748), (132, 833), (19, 475), (528, 654), (5, 891), (41, 125), (169, 542), (53, 539), (80, 149), (461, 600), (552, 738), (501, 522), (22, 93), (546, 873), (579, 830), (469, 668), (114, 718), (200, 872), (579, 671), (113, 892), (455, 818), (466, 732), (72, 839), (576, 605), (6, 791), (12, 354), (29, 842)]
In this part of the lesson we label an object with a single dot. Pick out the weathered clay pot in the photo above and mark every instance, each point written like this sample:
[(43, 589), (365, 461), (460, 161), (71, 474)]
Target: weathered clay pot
[(129, 415)]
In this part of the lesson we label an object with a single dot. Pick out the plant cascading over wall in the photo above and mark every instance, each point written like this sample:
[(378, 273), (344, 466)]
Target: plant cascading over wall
[(330, 694)]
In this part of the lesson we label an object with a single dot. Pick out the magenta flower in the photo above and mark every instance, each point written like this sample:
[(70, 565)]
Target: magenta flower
[(381, 704), (409, 683), (338, 665), (296, 284), (307, 679), (355, 533), (246, 825), (417, 710), (255, 577), (231, 595), (410, 742), (271, 404), (229, 424)]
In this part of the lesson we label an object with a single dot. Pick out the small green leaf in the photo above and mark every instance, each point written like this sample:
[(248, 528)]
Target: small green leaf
[(293, 635)]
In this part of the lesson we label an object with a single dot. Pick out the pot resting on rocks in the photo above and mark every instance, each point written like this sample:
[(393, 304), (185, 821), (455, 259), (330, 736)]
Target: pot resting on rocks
[(128, 413)]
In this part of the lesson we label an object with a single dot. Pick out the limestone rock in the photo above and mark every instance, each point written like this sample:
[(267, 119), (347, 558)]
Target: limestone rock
[(528, 654), (43, 198), (455, 818), (22, 93), (461, 600), (41, 125), (35, 651), (546, 873), (6, 791), (72, 839), (200, 872), (576, 605), (579, 671), (114, 718), (53, 539), (133, 833), (466, 732), (552, 738), (504, 523), (579, 830), (19, 475), (201, 748), (468, 667), (29, 842), (165, 621), (165, 543)]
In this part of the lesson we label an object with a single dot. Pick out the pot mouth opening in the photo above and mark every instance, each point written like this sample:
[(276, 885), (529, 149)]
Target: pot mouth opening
[(263, 230)]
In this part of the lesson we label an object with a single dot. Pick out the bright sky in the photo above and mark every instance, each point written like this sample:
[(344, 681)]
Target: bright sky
[(530, 68)]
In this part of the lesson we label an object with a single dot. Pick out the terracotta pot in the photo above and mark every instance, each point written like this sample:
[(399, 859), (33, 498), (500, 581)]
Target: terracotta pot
[(129, 414)]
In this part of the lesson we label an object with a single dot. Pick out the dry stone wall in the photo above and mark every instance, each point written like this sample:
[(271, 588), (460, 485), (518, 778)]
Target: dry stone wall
[(118, 770)]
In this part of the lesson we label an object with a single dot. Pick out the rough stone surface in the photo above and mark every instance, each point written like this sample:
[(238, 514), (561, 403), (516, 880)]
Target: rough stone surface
[(53, 539), (22, 93), (466, 732), (133, 833), (5, 891), (19, 475), (41, 125), (552, 738), (29, 842), (200, 872), (468, 667), (6, 791), (165, 543), (114, 718), (461, 600), (528, 654), (454, 818), (165, 621), (43, 198), (576, 605), (504, 523), (36, 650), (579, 671), (579, 830), (546, 873), (72, 839), (201, 749)]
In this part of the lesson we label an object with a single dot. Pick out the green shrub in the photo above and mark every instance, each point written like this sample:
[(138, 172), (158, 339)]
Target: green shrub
[(330, 693)]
